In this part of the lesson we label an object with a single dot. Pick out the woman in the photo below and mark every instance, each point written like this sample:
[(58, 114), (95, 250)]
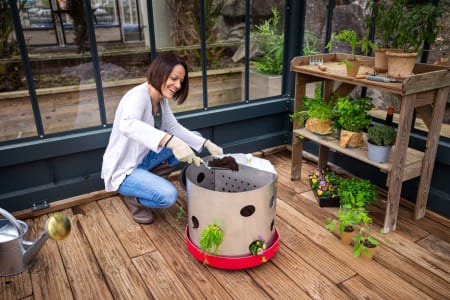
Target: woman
[(147, 141)]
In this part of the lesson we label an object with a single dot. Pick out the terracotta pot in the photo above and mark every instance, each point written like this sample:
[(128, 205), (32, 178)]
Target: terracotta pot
[(401, 65), (350, 139), (353, 69), (369, 257), (347, 237), (318, 126), (381, 62)]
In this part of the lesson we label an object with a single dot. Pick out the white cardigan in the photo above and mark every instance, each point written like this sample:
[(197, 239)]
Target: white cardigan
[(133, 135)]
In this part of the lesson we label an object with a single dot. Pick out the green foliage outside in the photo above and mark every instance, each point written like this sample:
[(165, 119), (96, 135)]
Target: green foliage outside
[(270, 38)]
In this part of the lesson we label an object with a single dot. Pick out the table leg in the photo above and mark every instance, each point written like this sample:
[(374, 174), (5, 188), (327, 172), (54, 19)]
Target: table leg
[(429, 158), (398, 161)]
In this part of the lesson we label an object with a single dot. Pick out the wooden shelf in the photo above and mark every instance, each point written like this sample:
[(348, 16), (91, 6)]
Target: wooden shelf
[(425, 92), (413, 161)]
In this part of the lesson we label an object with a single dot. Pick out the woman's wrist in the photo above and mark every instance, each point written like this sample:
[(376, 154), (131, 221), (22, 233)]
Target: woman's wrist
[(165, 140)]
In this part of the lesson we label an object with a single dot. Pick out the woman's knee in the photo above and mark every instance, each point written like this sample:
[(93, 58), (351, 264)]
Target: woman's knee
[(168, 197)]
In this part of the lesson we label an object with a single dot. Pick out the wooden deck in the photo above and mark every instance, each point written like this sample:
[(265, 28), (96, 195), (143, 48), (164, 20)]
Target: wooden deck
[(108, 256)]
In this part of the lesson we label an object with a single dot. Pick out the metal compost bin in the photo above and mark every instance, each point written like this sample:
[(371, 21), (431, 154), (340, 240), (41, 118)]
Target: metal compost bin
[(242, 203)]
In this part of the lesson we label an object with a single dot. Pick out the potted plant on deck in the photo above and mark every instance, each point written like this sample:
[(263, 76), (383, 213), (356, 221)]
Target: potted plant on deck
[(365, 244), (350, 36), (269, 35), (352, 118), (380, 139), (317, 112), (325, 184), (356, 193)]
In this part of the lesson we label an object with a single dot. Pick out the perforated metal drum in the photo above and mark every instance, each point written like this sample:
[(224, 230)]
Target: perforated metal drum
[(242, 203)]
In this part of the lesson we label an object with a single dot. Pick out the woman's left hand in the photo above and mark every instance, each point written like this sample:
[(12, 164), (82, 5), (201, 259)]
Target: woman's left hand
[(213, 149)]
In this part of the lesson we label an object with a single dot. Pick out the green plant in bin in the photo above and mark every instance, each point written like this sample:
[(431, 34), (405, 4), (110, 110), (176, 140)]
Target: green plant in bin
[(351, 37), (346, 219), (352, 113), (211, 238), (381, 135)]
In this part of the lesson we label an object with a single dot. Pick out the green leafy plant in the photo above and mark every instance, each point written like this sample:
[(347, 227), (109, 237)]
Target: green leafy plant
[(211, 238), (352, 113), (364, 239), (350, 36), (316, 107), (356, 193), (347, 219), (270, 39), (405, 25), (381, 135)]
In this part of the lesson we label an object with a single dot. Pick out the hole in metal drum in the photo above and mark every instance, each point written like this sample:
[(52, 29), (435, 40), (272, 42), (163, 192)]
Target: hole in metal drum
[(195, 222), (247, 211)]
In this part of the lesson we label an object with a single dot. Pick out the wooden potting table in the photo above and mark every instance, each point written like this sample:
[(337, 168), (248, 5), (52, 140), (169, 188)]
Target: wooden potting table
[(426, 92)]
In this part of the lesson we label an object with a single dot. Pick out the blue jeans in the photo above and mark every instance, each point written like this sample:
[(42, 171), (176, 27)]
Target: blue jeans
[(151, 190)]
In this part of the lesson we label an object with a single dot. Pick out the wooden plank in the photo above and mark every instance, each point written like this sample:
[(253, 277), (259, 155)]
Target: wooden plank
[(63, 204), (313, 282), (236, 284), (85, 276), (331, 266), (16, 286), (277, 285), (359, 288), (131, 235), (123, 280), (381, 277), (48, 275), (436, 246), (193, 274), (159, 277)]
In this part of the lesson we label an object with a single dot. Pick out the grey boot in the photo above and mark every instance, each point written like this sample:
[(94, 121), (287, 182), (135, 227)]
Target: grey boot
[(141, 213)]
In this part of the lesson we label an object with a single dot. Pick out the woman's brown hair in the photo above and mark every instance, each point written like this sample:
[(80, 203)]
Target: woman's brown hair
[(159, 70)]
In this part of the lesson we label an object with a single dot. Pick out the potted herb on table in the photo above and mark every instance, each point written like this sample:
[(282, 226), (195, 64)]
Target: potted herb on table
[(419, 23), (317, 112), (350, 36), (380, 139), (352, 118)]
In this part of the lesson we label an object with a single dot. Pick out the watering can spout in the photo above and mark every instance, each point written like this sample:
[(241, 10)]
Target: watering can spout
[(57, 228)]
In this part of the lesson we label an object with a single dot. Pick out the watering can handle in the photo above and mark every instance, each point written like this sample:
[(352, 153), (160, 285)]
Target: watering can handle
[(13, 220)]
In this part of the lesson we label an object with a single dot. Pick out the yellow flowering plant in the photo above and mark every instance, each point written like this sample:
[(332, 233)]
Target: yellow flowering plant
[(325, 183), (258, 247)]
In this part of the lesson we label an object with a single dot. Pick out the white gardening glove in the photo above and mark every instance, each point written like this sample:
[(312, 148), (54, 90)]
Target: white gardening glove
[(213, 149), (182, 151)]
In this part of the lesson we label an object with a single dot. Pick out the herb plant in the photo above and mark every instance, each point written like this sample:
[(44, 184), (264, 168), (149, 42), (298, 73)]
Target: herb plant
[(352, 113), (381, 135), (356, 193), (364, 239)]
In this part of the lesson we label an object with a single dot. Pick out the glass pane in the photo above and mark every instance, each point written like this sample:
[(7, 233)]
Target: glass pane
[(16, 114), (267, 37)]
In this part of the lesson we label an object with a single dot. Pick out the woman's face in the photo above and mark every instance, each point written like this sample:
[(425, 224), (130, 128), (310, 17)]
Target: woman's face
[(174, 81)]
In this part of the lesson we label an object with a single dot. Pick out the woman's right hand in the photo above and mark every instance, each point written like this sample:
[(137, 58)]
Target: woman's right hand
[(182, 151)]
